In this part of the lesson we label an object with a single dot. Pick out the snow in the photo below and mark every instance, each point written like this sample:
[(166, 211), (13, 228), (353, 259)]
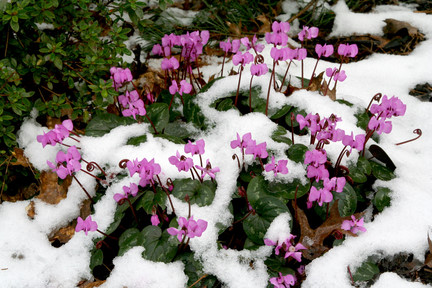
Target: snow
[(403, 227)]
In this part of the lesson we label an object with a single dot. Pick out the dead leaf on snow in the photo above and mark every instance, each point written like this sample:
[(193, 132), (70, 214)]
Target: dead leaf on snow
[(395, 27), (64, 234), (50, 191), (30, 209), (331, 93), (315, 84), (22, 160), (88, 284)]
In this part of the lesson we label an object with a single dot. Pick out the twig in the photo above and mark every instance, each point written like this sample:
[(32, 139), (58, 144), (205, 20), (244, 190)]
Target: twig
[(302, 11), (196, 282)]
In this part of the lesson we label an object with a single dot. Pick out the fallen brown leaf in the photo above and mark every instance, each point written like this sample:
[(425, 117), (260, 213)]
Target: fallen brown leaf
[(396, 27), (64, 234), (331, 93), (88, 284), (50, 191), (22, 160), (315, 84), (30, 209), (266, 27), (235, 29)]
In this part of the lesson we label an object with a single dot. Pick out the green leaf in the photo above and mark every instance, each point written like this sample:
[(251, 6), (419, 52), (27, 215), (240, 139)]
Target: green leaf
[(192, 112), (256, 189), (96, 258), (342, 101), (382, 198), (366, 272), (357, 175), (58, 62), (278, 135), (14, 25), (150, 199), (159, 115), (178, 129), (171, 138), (362, 119), (381, 172), (266, 208), (199, 193), (104, 123), (281, 112), (363, 165), (287, 191), (297, 152), (278, 264), (347, 201), (136, 141), (225, 105), (158, 246), (130, 238)]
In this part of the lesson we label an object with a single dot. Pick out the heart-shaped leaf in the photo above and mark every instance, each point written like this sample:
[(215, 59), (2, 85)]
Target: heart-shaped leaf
[(366, 272), (297, 152), (199, 193), (130, 238), (159, 246), (159, 115), (347, 201), (104, 123), (381, 172), (382, 198)]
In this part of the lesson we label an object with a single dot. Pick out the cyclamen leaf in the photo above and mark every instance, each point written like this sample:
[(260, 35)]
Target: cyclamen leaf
[(199, 193), (104, 123), (382, 198), (297, 152), (366, 272), (381, 172), (159, 246), (347, 201), (96, 258), (159, 115), (130, 238)]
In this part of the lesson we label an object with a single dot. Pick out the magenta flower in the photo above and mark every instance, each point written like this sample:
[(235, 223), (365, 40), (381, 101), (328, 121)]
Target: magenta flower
[(133, 103), (208, 170), (189, 228), (225, 46), (321, 195), (356, 143), (170, 40), (66, 163), (259, 150), (279, 54), (86, 225), (56, 135), (353, 225), (131, 190), (154, 220), (258, 69), (319, 173), (157, 50), (280, 167), (197, 148), (243, 143), (242, 59), (287, 247), (280, 27), (315, 157), (283, 281), (380, 125), (120, 76), (185, 87), (308, 33), (311, 121), (326, 50), (347, 50), (148, 170), (336, 74), (181, 162), (335, 184), (389, 107), (170, 64)]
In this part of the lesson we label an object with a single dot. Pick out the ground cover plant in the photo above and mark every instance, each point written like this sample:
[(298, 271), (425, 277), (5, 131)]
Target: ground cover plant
[(249, 172)]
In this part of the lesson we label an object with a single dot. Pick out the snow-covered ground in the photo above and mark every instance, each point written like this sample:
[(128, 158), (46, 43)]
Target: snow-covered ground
[(27, 258)]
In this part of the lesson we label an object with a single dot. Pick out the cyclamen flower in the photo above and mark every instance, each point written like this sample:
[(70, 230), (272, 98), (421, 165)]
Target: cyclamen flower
[(356, 143), (133, 103), (189, 228), (154, 220), (86, 225), (252, 44), (56, 135), (326, 50), (170, 64), (353, 225), (279, 54), (242, 59), (280, 27), (280, 167), (120, 76), (147, 171), (185, 87), (283, 281), (347, 50), (315, 157), (336, 74), (389, 107), (258, 69), (308, 33), (181, 162), (380, 125), (208, 170), (131, 190), (157, 50), (317, 173), (243, 143), (287, 247), (197, 148), (257, 150), (71, 158), (321, 195), (336, 184), (311, 121)]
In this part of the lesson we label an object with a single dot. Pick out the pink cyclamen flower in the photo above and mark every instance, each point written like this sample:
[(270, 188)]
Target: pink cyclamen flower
[(208, 170), (347, 50), (148, 170), (132, 189), (335, 184), (283, 281), (86, 225), (243, 143), (317, 173), (120, 76), (197, 148), (56, 135), (353, 225), (356, 142), (308, 33), (242, 59), (380, 125), (189, 228), (315, 157), (133, 104), (157, 50), (66, 163), (389, 107), (170, 64), (326, 50), (154, 220), (280, 27), (287, 247), (259, 150), (225, 46), (258, 69), (181, 162), (336, 74), (321, 195), (185, 87), (280, 167)]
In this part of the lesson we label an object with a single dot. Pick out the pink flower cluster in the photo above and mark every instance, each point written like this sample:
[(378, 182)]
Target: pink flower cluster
[(86, 225), (287, 247), (185, 87), (131, 190), (354, 225), (133, 104), (383, 111), (56, 135), (188, 228), (66, 163), (280, 167), (147, 170), (249, 146), (324, 195), (283, 281), (120, 76)]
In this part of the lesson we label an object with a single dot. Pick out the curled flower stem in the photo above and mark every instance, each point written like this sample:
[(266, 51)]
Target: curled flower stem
[(122, 163), (416, 131), (167, 193), (338, 161), (97, 178), (79, 183), (376, 97), (91, 166), (234, 156)]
